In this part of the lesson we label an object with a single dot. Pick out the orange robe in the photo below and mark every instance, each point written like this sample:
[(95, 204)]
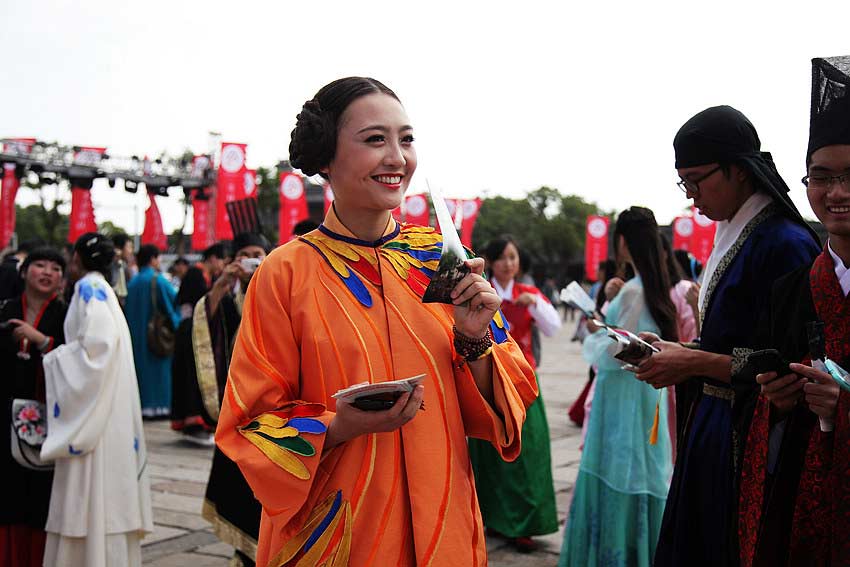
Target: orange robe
[(328, 311)]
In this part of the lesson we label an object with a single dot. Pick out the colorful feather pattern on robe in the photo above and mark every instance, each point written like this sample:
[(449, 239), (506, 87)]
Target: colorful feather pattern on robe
[(414, 254), (325, 538), (278, 434)]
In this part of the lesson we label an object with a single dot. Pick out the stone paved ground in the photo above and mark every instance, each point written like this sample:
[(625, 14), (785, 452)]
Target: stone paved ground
[(182, 538)]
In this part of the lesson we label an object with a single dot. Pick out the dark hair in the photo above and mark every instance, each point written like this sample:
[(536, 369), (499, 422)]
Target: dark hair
[(146, 253), (313, 142), (43, 253), (96, 253), (689, 264), (28, 246), (120, 239), (673, 270), (218, 250), (192, 288), (180, 260), (638, 227), (304, 227), (496, 247)]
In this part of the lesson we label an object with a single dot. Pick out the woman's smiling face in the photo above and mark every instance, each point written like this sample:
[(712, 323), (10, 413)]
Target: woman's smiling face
[(374, 158)]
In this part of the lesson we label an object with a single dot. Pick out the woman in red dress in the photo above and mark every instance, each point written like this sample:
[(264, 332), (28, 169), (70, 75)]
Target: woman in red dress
[(518, 499)]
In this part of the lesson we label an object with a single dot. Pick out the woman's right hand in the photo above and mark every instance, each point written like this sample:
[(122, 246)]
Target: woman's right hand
[(350, 422), (613, 287)]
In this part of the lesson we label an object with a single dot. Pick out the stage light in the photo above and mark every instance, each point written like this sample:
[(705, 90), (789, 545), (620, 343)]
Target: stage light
[(130, 186), (111, 181)]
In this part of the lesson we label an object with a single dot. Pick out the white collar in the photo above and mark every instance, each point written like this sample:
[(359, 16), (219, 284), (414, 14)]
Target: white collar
[(504, 293), (727, 234), (842, 272)]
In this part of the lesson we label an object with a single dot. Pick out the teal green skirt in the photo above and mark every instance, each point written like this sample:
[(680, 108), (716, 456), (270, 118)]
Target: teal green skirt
[(608, 527), (518, 499)]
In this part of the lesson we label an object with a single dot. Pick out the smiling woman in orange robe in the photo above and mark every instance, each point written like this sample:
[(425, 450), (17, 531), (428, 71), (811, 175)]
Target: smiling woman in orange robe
[(342, 305)]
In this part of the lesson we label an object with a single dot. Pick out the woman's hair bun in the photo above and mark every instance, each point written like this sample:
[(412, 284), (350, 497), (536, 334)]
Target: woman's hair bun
[(313, 139), (313, 143)]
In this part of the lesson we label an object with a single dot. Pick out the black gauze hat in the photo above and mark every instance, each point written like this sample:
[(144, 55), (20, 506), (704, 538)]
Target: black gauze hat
[(245, 239), (829, 123)]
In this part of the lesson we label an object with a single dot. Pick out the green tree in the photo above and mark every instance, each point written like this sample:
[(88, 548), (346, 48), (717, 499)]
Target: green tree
[(548, 225)]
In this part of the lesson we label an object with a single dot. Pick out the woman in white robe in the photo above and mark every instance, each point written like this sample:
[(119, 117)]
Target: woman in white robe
[(100, 506)]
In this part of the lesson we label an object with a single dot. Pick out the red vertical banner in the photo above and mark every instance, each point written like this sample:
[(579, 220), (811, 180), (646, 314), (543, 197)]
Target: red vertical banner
[(9, 187), (329, 196), (250, 180), (293, 204), (455, 207), (470, 208), (683, 232), (230, 185), (595, 245), (417, 210), (703, 238), (153, 232), (82, 214), (201, 233)]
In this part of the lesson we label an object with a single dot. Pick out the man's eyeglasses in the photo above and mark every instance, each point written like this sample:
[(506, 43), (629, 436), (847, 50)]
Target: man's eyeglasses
[(692, 185), (820, 181)]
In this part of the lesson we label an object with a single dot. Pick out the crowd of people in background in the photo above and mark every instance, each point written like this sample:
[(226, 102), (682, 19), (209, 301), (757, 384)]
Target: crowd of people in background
[(700, 454)]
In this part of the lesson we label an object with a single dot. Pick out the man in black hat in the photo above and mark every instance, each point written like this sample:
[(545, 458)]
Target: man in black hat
[(795, 496), (760, 237), (229, 502)]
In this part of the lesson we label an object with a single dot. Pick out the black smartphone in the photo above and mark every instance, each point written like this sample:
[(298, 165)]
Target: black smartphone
[(768, 360), (376, 402)]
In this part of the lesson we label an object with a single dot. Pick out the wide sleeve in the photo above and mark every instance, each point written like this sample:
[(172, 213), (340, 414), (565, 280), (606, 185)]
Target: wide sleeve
[(545, 314), (624, 312), (80, 377), (275, 437), (514, 390)]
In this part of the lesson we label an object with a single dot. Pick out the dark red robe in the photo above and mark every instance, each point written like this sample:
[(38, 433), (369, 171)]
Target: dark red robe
[(797, 514)]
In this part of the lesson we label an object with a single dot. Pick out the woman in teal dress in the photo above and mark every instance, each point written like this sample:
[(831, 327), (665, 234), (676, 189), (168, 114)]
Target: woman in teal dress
[(622, 484)]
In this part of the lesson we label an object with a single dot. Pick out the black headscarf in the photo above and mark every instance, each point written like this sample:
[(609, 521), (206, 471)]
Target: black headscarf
[(723, 135), (245, 239), (830, 116)]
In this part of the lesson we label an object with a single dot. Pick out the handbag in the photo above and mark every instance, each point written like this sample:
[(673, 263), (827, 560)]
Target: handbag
[(160, 329), (29, 430)]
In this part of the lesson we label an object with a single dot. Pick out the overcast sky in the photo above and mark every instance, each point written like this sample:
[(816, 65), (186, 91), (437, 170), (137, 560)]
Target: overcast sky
[(504, 97)]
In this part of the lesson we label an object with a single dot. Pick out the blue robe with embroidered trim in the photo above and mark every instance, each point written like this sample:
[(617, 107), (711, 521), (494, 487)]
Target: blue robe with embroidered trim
[(700, 519)]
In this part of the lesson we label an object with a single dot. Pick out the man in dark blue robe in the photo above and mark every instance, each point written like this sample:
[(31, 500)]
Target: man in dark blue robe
[(760, 237)]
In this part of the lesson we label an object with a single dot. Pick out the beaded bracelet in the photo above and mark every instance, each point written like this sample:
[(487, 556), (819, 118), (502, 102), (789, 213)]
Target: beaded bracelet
[(472, 349)]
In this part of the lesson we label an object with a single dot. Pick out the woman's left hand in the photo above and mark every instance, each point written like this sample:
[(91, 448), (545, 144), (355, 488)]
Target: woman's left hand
[(474, 318), (24, 330)]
